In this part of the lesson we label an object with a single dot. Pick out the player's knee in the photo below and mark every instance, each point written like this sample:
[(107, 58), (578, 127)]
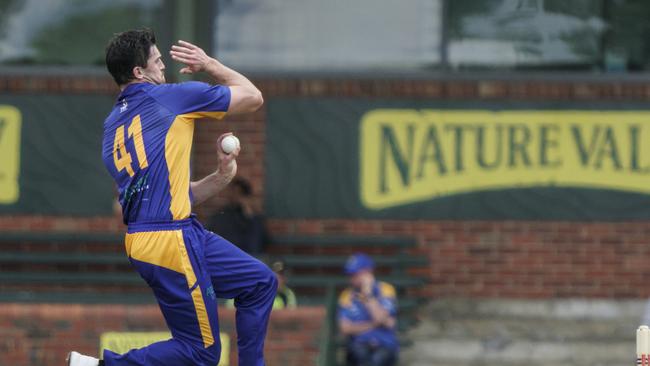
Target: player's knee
[(270, 279), (267, 283)]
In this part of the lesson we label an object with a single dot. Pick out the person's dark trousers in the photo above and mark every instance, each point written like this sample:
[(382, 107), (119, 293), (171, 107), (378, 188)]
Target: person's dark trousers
[(364, 354)]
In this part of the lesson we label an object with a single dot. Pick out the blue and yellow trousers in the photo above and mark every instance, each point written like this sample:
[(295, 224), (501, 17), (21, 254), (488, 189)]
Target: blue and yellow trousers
[(188, 268)]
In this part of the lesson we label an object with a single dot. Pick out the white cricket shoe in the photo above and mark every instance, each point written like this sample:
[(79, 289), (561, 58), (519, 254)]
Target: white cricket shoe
[(77, 359)]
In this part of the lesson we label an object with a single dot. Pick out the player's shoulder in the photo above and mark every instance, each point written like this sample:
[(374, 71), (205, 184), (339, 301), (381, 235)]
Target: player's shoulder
[(179, 97), (112, 118), (345, 298), (386, 289), (177, 89)]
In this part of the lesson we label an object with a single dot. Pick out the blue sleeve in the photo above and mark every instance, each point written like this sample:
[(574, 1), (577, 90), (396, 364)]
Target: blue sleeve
[(387, 297), (390, 304), (194, 97), (344, 313)]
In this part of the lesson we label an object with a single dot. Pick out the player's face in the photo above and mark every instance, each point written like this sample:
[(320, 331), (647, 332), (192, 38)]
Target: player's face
[(154, 72), (357, 279)]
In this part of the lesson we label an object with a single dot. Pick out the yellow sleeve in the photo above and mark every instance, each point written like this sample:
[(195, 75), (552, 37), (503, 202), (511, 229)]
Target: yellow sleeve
[(345, 299), (387, 290)]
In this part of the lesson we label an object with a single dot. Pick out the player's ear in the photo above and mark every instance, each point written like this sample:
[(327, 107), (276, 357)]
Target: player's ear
[(137, 73)]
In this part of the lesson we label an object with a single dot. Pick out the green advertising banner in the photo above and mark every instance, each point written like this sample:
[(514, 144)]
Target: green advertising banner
[(50, 155), (416, 159)]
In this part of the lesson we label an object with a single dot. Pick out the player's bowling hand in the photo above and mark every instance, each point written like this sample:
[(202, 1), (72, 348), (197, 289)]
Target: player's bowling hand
[(227, 162), (192, 56)]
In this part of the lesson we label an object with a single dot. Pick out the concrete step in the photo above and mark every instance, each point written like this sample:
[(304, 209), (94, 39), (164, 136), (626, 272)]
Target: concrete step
[(502, 363), (550, 330), (595, 309), (519, 352), (568, 332), (403, 362)]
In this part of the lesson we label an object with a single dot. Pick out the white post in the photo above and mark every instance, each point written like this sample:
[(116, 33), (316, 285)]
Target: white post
[(642, 345)]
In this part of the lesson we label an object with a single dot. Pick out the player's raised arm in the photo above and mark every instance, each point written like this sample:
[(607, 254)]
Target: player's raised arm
[(244, 96)]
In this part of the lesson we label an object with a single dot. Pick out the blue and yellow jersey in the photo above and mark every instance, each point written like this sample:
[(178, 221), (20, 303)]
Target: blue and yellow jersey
[(351, 308), (147, 144)]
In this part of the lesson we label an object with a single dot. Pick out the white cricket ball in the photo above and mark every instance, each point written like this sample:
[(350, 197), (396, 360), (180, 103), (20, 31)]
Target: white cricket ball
[(229, 144)]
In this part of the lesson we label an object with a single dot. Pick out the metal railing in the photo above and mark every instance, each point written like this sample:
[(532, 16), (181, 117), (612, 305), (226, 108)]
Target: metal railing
[(328, 344)]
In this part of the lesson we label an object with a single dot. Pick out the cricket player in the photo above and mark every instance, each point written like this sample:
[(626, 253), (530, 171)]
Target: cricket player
[(367, 315), (146, 149)]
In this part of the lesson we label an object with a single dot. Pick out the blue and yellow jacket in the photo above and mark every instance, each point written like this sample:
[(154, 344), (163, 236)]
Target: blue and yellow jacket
[(351, 308), (147, 143)]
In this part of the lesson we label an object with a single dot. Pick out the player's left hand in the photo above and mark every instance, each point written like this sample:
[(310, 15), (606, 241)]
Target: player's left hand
[(367, 281), (227, 162), (195, 59)]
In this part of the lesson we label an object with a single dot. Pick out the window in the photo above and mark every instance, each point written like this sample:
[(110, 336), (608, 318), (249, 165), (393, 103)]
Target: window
[(507, 33), (67, 32), (303, 35), (627, 39), (345, 35), (600, 35), (328, 35)]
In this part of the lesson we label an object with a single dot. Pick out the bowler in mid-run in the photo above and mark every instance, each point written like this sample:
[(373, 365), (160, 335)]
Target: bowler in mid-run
[(146, 149)]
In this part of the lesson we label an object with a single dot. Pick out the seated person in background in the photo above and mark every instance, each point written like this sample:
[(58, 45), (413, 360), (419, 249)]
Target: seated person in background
[(366, 315), (284, 297), (238, 221)]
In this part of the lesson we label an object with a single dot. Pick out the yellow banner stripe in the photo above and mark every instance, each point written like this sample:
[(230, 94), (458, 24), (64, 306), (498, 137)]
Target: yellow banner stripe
[(410, 155)]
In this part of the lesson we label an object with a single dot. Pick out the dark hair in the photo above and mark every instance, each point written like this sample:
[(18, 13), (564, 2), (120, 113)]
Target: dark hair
[(127, 50), (278, 267), (243, 185)]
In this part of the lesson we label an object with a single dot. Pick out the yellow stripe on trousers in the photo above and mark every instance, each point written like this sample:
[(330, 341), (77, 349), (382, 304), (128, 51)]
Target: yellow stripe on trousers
[(167, 249)]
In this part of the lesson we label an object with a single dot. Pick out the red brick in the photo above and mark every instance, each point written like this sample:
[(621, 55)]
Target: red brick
[(559, 255), (48, 344)]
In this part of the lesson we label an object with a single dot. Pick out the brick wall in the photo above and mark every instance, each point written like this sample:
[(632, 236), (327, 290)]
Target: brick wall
[(473, 258), (468, 258), (516, 259), (41, 335)]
